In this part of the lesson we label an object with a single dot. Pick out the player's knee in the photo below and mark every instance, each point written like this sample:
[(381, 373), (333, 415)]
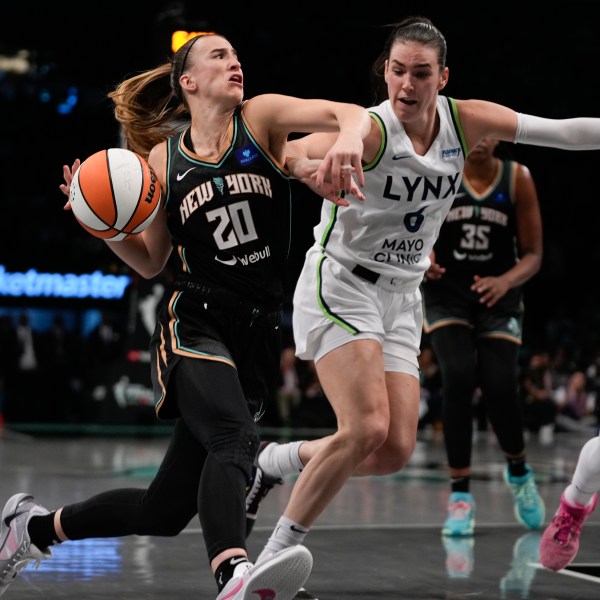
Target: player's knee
[(364, 441), (239, 448), (392, 456), (399, 458), (374, 433)]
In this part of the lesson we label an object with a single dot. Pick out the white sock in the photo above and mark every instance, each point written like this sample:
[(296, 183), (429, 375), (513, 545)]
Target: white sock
[(586, 479), (286, 533), (279, 460)]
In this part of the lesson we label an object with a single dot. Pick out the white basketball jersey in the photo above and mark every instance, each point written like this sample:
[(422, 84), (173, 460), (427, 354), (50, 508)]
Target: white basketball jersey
[(388, 237)]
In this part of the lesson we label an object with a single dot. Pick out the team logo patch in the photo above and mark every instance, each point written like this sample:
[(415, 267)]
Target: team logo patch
[(450, 153), (246, 155), (514, 327), (219, 184)]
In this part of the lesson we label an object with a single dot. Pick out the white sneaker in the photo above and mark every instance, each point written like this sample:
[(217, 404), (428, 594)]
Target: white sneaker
[(16, 549), (260, 485), (304, 594), (277, 578)]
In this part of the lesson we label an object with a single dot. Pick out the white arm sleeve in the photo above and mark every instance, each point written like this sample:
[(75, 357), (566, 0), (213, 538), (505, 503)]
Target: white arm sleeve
[(580, 133)]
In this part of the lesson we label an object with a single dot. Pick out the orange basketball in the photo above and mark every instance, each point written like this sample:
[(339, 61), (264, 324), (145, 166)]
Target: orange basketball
[(115, 193)]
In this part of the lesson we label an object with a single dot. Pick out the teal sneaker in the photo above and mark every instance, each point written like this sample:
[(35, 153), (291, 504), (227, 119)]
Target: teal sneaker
[(459, 556), (529, 506), (461, 515), (526, 553)]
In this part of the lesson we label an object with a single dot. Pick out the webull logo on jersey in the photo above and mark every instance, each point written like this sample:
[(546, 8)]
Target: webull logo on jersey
[(421, 188), (247, 259), (255, 256)]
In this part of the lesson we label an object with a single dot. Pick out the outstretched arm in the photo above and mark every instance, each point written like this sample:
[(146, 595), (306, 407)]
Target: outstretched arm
[(580, 133), (481, 119), (273, 117)]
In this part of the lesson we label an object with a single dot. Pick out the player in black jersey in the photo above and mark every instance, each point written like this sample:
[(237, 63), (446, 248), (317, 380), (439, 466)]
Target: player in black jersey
[(215, 350), (489, 245)]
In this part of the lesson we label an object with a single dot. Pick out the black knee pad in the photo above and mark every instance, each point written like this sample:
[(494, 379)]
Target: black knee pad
[(246, 450), (238, 448)]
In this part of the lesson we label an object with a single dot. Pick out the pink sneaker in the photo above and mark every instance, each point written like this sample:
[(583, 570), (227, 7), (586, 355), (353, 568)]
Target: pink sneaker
[(560, 541)]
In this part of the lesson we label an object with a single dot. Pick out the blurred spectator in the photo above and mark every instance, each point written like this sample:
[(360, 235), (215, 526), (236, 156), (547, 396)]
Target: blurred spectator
[(104, 343), (60, 368), (537, 387), (430, 410), (314, 410), (562, 366), (26, 346), (576, 404), (25, 403), (103, 349), (592, 372), (8, 361), (289, 393)]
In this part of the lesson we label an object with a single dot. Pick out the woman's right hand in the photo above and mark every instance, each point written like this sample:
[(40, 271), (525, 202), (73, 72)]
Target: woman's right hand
[(435, 271), (68, 173), (305, 170)]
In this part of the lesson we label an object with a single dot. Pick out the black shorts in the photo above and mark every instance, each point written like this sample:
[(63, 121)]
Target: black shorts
[(224, 329), (451, 302)]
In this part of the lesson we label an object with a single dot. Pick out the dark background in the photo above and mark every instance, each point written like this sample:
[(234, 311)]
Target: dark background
[(544, 62)]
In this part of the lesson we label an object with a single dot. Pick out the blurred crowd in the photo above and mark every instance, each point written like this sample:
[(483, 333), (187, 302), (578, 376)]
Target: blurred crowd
[(46, 374), (45, 377), (559, 386)]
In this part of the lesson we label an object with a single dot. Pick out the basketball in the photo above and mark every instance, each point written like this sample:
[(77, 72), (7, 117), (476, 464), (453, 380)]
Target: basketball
[(114, 193)]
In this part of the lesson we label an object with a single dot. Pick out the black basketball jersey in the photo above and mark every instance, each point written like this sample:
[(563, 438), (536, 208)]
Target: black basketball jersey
[(230, 220), (478, 236)]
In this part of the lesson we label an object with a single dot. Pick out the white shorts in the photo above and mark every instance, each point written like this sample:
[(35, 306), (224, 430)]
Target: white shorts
[(333, 306)]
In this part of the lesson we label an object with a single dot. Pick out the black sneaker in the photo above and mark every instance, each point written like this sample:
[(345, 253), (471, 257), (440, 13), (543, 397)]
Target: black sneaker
[(304, 594), (259, 486)]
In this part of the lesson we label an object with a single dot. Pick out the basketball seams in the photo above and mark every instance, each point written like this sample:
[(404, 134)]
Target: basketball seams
[(115, 193), (126, 179), (83, 206), (112, 188), (138, 217)]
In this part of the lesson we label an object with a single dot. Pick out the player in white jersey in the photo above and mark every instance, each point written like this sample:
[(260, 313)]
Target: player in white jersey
[(357, 307)]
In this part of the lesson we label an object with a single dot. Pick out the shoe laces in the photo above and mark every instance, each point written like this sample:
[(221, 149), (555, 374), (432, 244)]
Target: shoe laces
[(459, 510), (258, 492), (527, 494), (20, 559), (567, 526)]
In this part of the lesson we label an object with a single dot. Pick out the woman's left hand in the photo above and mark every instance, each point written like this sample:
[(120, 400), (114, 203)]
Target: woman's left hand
[(68, 173)]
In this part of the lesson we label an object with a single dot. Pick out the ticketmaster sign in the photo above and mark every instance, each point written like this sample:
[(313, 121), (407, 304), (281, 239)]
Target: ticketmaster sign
[(32, 284)]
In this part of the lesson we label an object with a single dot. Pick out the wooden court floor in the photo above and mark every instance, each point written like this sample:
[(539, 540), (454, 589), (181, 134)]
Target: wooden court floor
[(379, 539)]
